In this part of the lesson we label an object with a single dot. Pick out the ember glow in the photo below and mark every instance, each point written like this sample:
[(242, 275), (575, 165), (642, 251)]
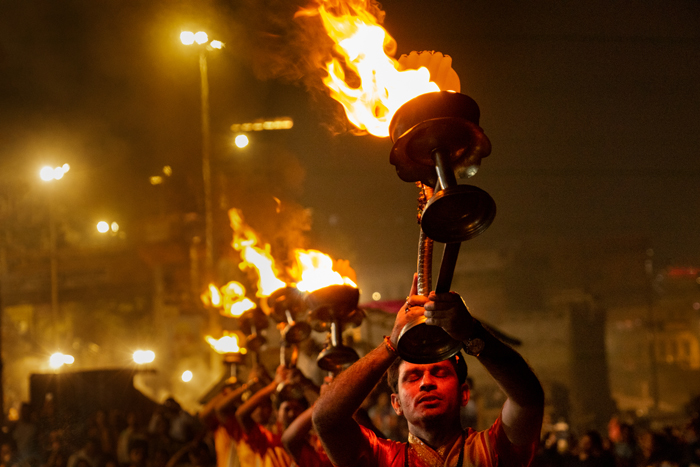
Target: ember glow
[(235, 303), (317, 270), (228, 343), (245, 241), (364, 77)]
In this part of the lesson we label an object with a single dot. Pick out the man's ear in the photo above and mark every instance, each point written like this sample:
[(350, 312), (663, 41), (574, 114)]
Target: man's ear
[(396, 404), (464, 394)]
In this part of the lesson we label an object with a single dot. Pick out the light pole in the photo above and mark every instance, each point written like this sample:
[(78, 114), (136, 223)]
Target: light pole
[(49, 174), (202, 40)]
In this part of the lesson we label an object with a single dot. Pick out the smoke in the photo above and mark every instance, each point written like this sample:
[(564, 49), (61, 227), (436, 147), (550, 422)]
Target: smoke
[(287, 42)]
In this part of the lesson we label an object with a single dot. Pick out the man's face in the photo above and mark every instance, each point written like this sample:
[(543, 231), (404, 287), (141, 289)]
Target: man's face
[(288, 411), (262, 413), (428, 392)]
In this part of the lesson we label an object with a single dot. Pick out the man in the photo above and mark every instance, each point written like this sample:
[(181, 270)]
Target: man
[(219, 416), (292, 402), (429, 396)]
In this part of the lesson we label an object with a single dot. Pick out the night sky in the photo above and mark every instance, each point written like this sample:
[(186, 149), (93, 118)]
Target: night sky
[(592, 108)]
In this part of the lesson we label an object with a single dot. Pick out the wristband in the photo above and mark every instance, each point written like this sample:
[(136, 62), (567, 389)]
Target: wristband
[(390, 347)]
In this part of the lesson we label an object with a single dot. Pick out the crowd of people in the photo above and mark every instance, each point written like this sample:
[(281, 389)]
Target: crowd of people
[(171, 436), (626, 444), (288, 420)]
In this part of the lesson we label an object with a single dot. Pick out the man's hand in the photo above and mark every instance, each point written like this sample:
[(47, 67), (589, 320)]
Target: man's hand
[(410, 310), (448, 311), (281, 374)]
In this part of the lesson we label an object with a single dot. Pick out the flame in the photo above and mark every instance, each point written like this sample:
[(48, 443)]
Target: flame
[(212, 297), (228, 343), (364, 48), (245, 241), (316, 270), (235, 303)]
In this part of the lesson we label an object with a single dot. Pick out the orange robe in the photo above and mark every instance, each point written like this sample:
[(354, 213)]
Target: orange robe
[(489, 448)]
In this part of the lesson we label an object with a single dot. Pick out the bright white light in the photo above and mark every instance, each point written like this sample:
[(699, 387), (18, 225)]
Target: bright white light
[(187, 37), (201, 37), (46, 173), (58, 359), (114, 226), (58, 173), (102, 227), (216, 45), (241, 141), (144, 356), (187, 376), (65, 168)]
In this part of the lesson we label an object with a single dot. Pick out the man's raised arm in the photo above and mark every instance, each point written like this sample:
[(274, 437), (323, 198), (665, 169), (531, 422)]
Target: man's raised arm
[(523, 410), (333, 413)]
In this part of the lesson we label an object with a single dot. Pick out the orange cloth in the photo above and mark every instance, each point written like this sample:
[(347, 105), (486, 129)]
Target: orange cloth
[(265, 446), (313, 454), (489, 448), (226, 453)]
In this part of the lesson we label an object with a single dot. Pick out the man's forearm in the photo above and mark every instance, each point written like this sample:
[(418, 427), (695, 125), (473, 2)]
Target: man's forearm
[(511, 372), (230, 401), (245, 411), (350, 388), (294, 437), (522, 413), (334, 410)]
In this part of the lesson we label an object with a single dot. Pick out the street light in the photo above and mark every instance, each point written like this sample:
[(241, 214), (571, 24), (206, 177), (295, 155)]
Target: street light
[(201, 38), (58, 359), (49, 174), (141, 357), (104, 227), (241, 141)]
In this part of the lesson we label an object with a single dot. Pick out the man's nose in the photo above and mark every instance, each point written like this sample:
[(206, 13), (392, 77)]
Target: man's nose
[(427, 383)]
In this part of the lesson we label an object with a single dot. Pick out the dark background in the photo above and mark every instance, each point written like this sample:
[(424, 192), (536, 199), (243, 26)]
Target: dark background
[(591, 106)]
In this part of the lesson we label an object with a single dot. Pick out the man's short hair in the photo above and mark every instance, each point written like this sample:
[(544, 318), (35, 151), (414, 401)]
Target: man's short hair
[(291, 392), (457, 361)]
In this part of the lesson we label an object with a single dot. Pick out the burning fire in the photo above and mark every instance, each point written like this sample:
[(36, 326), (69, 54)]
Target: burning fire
[(245, 241), (316, 270), (228, 343), (212, 297), (369, 83), (231, 299), (235, 302)]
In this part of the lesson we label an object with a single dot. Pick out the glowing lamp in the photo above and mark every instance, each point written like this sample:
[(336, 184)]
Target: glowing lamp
[(144, 356), (58, 359)]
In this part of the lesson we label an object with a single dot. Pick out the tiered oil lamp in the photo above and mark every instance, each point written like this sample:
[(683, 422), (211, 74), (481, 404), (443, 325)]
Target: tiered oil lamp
[(233, 354), (287, 306), (332, 308), (252, 323), (437, 138)]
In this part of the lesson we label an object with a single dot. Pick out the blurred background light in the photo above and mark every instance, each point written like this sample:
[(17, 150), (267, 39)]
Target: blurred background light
[(144, 356)]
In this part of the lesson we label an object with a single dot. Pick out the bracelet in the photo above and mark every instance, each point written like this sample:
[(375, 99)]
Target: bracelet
[(390, 347)]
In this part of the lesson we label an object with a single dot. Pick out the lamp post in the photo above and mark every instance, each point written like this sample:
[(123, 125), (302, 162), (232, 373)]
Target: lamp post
[(49, 174), (202, 40)]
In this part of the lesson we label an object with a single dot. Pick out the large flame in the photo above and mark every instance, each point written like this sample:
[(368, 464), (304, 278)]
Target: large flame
[(245, 241), (228, 343), (315, 270), (369, 83)]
